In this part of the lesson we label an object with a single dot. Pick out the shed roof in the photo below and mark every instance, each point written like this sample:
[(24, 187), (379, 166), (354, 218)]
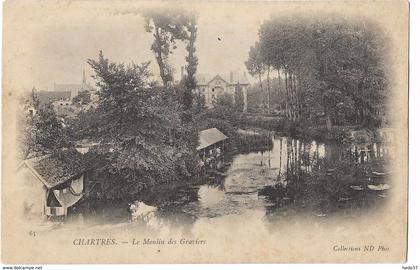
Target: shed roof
[(55, 169), (209, 137)]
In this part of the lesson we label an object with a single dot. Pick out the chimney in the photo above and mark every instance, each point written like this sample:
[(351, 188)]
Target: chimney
[(84, 77), (231, 76), (182, 72)]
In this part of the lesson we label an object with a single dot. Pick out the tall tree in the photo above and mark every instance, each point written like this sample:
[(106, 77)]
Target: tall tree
[(268, 89), (239, 98), (140, 131), (192, 60), (338, 67), (256, 66), (166, 26)]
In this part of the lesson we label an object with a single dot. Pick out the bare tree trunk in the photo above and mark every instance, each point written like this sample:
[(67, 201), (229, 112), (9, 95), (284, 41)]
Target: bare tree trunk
[(298, 89), (268, 89), (288, 146), (295, 96), (278, 77), (292, 97), (281, 148), (328, 120), (262, 90), (287, 95), (159, 58)]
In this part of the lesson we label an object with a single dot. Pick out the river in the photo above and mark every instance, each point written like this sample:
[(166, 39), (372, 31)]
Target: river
[(244, 190)]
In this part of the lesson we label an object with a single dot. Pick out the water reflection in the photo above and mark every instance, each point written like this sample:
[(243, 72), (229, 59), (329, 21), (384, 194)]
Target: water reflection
[(251, 176), (209, 196)]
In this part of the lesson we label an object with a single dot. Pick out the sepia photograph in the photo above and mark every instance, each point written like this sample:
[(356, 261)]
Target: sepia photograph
[(204, 132)]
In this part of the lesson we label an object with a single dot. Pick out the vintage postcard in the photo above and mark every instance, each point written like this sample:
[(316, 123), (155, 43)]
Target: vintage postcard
[(204, 132)]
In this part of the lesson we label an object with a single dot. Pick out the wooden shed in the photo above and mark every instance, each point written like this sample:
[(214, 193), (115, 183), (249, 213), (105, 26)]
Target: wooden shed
[(211, 147)]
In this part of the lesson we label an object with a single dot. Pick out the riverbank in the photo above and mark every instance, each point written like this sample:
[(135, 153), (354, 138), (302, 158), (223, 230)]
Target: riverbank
[(303, 129), (239, 139), (229, 121)]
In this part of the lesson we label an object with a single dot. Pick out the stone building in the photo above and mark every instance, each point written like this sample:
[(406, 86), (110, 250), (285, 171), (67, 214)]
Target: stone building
[(212, 86)]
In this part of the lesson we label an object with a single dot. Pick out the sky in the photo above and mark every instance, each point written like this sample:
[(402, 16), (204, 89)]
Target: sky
[(50, 42)]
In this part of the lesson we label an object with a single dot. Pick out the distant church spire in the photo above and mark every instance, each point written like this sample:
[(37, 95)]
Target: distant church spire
[(84, 77)]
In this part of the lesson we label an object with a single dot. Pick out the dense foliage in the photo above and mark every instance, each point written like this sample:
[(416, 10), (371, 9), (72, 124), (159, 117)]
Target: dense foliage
[(333, 69), (239, 98), (139, 129), (192, 61), (41, 130), (82, 98)]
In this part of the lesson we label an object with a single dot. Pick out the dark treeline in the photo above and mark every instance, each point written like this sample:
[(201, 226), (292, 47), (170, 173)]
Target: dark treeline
[(336, 70)]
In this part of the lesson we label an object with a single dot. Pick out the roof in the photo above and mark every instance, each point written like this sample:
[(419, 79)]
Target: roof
[(55, 169), (237, 77), (209, 137), (72, 87), (47, 96), (217, 77)]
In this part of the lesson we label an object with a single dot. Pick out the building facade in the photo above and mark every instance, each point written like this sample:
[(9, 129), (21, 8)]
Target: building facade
[(212, 87)]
